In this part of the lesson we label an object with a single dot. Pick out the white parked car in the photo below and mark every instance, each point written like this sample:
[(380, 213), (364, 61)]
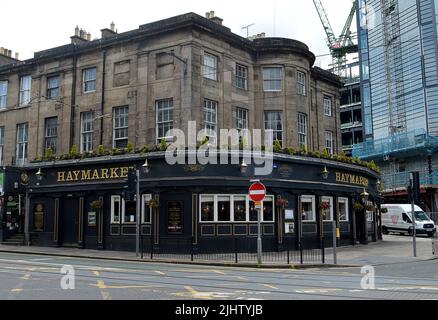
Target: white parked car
[(398, 218)]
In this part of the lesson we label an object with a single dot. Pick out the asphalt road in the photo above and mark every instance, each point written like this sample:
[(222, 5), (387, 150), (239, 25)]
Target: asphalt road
[(27, 276)]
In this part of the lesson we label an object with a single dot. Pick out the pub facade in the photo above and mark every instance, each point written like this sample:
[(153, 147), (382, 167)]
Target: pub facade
[(202, 206)]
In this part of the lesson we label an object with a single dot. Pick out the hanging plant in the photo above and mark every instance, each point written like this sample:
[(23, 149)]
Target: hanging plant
[(369, 207), (97, 204), (154, 203), (384, 210), (357, 206), (324, 206)]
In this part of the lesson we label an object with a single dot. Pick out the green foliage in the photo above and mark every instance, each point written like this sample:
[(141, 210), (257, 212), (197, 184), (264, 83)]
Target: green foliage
[(326, 154), (290, 151), (243, 143), (74, 154), (48, 155), (316, 154), (130, 148), (277, 146), (303, 150), (163, 145), (101, 150)]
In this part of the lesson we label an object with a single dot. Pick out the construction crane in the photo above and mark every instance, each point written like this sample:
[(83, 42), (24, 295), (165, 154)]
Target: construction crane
[(339, 46)]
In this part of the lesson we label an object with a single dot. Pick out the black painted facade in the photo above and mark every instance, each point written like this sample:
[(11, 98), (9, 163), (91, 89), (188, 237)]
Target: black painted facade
[(60, 211)]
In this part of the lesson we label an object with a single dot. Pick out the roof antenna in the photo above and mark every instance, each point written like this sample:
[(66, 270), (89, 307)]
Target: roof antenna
[(247, 29)]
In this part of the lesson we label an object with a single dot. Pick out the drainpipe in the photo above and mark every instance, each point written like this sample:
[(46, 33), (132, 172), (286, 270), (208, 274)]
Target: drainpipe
[(73, 99), (102, 105)]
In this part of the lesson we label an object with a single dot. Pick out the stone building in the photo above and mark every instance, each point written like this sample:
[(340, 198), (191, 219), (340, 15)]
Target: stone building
[(129, 89), (72, 95)]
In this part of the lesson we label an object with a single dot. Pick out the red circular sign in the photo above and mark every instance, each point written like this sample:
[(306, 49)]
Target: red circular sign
[(257, 192)]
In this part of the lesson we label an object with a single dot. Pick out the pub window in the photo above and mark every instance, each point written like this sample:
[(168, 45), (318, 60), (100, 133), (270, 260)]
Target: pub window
[(224, 213), (2, 144), (164, 120), (302, 130), (207, 209), (343, 209), (274, 122), (89, 80), (327, 208), (210, 66), (53, 87), (117, 205), (370, 216), (3, 94), (25, 90), (22, 143), (268, 210), (329, 142), (129, 212), (328, 109), (241, 80), (272, 78), (301, 83), (120, 127), (240, 209), (146, 212), (210, 120), (307, 204), (87, 131), (51, 134), (234, 208)]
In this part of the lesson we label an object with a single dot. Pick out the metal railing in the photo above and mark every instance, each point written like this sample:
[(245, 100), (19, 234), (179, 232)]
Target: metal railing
[(229, 250)]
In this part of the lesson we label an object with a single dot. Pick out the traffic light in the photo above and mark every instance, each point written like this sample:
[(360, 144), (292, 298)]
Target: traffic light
[(415, 187)]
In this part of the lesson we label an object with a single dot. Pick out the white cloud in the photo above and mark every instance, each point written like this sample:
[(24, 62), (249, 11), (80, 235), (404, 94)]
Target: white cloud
[(31, 25)]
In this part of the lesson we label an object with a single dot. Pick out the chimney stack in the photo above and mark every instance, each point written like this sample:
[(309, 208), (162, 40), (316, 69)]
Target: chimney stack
[(80, 36), (211, 16), (106, 33), (17, 56)]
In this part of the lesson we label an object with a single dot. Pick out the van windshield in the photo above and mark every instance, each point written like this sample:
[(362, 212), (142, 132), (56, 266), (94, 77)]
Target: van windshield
[(421, 216)]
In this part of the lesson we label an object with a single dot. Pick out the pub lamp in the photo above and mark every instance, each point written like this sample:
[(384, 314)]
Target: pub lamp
[(39, 174), (325, 173), (364, 195), (146, 166), (243, 166)]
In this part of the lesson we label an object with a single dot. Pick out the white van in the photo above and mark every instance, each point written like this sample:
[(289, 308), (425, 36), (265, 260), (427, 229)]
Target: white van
[(398, 218)]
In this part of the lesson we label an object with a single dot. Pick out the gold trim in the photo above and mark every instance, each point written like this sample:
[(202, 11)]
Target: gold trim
[(55, 231), (194, 218)]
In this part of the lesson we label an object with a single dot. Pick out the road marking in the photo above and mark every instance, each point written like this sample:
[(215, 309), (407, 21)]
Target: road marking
[(160, 273), (270, 287), (242, 278), (26, 276), (218, 271), (192, 293), (96, 273), (106, 295), (16, 290)]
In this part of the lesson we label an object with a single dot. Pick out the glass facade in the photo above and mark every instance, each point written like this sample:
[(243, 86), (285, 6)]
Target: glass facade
[(398, 41)]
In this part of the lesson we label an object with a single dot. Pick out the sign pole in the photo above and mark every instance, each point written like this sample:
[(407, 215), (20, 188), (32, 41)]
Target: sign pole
[(335, 236), (138, 203), (259, 234), (257, 193)]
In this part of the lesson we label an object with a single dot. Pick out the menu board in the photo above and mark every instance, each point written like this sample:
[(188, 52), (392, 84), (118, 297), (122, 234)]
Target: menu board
[(175, 217), (38, 217)]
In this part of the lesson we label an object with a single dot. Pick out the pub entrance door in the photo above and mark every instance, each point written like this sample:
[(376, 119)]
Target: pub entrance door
[(70, 222)]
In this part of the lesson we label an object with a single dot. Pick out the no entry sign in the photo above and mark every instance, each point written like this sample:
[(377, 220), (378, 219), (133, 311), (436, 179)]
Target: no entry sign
[(257, 192)]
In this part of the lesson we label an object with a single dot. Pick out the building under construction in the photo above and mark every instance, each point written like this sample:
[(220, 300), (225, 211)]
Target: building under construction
[(399, 79)]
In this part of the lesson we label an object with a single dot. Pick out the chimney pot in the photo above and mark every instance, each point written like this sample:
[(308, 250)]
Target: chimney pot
[(77, 31), (17, 55), (2, 50), (9, 53), (113, 26), (88, 36)]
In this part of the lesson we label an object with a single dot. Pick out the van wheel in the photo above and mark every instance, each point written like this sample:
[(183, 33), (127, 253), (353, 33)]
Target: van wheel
[(385, 230)]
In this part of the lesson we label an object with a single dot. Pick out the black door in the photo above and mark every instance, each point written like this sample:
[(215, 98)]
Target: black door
[(70, 222), (361, 226)]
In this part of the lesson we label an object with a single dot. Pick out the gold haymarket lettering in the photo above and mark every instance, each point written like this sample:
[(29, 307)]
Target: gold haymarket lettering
[(351, 179), (94, 174)]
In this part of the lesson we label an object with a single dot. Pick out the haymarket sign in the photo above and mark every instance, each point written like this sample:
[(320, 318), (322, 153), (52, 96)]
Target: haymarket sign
[(93, 174), (347, 178)]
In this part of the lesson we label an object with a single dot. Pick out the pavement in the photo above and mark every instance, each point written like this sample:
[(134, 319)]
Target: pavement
[(394, 249)]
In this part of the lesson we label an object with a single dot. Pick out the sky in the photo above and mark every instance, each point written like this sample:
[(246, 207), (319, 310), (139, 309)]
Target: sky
[(45, 24)]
